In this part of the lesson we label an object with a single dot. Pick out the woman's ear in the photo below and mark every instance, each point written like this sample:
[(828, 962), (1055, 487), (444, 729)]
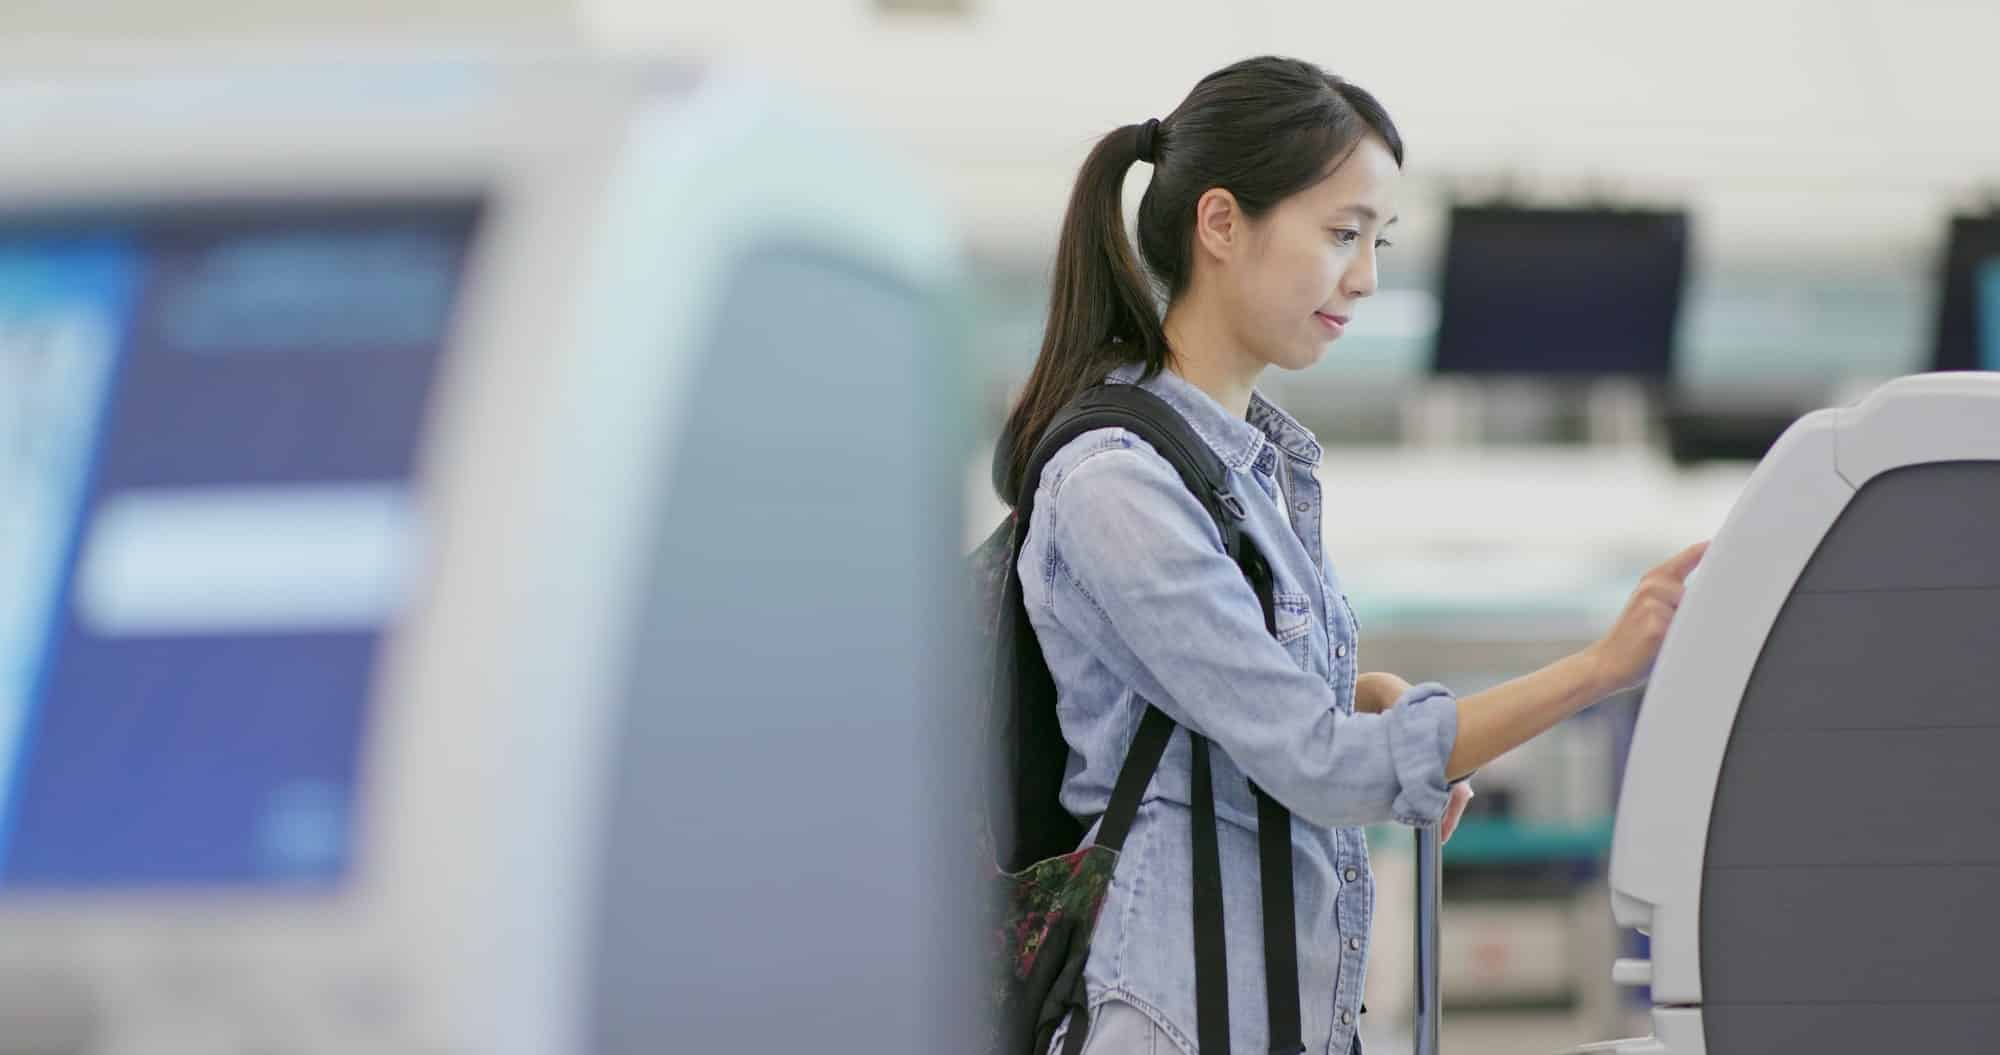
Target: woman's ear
[(1219, 225)]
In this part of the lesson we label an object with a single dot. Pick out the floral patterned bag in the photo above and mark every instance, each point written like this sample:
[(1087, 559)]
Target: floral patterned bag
[(1049, 910)]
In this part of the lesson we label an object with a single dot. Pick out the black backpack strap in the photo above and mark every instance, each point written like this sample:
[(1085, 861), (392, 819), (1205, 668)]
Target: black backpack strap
[(1029, 821), (1150, 418), (1153, 420)]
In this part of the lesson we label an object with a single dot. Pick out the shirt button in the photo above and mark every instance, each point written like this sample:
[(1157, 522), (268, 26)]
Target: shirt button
[(1352, 874), (1347, 1018), (1340, 651), (1354, 943), (1303, 507)]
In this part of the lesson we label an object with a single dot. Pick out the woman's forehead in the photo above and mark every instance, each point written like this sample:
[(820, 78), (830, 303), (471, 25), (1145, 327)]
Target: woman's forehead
[(1362, 185)]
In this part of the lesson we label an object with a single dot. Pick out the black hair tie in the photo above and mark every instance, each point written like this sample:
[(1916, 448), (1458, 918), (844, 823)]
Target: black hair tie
[(1148, 139)]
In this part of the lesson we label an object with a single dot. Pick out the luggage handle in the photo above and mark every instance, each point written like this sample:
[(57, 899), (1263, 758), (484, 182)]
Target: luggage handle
[(1426, 1009)]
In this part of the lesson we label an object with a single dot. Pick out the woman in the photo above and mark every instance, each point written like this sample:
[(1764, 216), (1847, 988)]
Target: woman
[(1271, 187)]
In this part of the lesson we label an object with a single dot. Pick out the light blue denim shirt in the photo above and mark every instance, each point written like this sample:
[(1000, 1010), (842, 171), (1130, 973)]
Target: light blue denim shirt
[(1134, 600)]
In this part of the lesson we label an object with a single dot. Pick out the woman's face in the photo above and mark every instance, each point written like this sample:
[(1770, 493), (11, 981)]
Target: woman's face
[(1311, 260)]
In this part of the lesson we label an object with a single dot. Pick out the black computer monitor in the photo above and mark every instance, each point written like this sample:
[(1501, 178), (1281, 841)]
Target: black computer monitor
[(1576, 293), (1967, 336)]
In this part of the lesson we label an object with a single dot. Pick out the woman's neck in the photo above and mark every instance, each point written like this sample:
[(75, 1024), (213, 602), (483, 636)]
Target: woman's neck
[(1208, 357)]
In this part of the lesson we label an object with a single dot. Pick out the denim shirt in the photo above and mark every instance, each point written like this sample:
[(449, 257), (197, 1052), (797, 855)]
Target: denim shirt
[(1134, 601)]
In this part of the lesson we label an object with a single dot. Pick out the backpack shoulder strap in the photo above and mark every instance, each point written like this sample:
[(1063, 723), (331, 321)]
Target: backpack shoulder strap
[(1150, 418)]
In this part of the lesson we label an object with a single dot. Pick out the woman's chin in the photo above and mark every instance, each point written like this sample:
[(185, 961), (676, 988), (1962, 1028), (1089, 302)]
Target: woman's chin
[(1306, 356)]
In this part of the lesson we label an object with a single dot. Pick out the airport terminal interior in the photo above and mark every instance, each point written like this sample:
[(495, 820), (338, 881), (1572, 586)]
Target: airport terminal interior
[(485, 496)]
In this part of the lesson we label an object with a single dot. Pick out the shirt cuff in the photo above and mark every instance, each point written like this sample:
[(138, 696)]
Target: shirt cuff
[(1423, 727)]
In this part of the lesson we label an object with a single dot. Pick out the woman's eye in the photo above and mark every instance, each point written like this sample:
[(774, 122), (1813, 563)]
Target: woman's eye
[(1383, 243), (1345, 236)]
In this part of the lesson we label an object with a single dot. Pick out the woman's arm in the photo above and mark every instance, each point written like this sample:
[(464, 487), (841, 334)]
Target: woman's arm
[(1171, 615), (1502, 718)]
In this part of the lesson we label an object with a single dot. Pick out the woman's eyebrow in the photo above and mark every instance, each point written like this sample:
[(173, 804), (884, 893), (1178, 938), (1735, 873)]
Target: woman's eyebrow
[(1367, 213)]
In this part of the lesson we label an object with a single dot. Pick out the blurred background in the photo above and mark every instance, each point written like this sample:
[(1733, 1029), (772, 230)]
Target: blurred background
[(1637, 242)]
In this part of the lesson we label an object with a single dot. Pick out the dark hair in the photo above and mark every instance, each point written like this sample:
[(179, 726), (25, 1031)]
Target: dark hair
[(1262, 129)]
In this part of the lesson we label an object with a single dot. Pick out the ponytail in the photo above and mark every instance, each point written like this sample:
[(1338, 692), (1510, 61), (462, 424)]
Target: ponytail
[(1102, 309)]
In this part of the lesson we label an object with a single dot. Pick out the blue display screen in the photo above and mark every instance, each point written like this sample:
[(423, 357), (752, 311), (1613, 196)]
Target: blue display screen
[(1558, 292), (209, 426)]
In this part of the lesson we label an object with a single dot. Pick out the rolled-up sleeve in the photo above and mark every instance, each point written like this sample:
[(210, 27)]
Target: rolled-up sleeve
[(1178, 615), (1423, 728)]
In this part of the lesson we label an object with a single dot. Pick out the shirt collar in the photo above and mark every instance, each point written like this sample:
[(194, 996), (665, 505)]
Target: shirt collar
[(1284, 430), (1237, 441)]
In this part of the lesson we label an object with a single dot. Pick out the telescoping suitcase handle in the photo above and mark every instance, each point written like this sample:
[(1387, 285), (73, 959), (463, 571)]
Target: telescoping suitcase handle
[(1430, 883)]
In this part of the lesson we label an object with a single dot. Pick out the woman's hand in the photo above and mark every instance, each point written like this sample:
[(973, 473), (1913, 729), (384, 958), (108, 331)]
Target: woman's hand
[(1624, 656), (1454, 811), (1376, 692)]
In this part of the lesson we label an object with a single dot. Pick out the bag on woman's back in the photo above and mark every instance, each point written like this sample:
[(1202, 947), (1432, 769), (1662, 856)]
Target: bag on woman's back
[(1050, 889)]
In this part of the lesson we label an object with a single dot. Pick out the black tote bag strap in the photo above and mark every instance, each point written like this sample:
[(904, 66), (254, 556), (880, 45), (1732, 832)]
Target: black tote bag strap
[(1155, 729), (1274, 855), (1211, 959), (1274, 872), (1281, 936)]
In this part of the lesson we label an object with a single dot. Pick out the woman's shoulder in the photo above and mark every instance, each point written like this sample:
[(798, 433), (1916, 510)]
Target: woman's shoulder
[(1106, 458), (1110, 482)]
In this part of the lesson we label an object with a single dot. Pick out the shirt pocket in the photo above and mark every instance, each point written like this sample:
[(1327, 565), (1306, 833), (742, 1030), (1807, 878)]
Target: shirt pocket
[(1294, 615), (1294, 624)]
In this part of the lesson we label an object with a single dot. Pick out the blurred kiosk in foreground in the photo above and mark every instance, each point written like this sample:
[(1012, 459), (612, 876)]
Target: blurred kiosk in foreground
[(477, 541), (1806, 830)]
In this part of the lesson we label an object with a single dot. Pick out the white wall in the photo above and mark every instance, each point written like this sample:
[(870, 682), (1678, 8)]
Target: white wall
[(1842, 127), (209, 19)]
